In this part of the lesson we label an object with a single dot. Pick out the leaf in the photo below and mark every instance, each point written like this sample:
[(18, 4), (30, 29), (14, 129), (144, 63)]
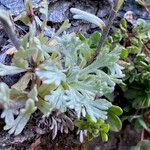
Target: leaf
[(56, 98), (44, 89), (10, 70), (69, 45), (20, 58), (8, 115), (17, 125), (143, 3), (44, 106), (73, 100), (80, 14), (114, 122), (81, 124), (118, 4), (104, 137), (93, 129), (137, 147), (145, 144), (33, 94), (63, 27), (4, 95), (117, 35), (49, 73), (94, 39), (23, 82), (123, 24), (113, 119), (81, 36), (133, 49), (124, 53), (105, 59), (22, 17), (142, 123), (115, 110)]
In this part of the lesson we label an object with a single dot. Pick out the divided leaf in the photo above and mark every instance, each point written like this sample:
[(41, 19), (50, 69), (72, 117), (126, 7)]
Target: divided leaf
[(17, 125)]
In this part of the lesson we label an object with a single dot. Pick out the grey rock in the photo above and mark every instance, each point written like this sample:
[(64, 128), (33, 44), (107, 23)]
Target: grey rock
[(138, 11), (102, 13), (57, 11), (52, 1), (16, 6)]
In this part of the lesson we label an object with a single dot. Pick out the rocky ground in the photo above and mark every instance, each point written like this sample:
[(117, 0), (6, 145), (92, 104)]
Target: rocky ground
[(58, 12)]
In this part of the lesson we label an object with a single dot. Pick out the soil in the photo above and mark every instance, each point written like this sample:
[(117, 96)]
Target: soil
[(34, 138)]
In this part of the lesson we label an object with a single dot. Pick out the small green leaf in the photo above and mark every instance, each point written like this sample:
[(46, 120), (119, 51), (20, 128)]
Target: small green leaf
[(81, 36), (123, 24), (133, 49), (124, 53), (115, 110), (114, 122), (94, 39), (81, 124), (104, 137), (105, 128)]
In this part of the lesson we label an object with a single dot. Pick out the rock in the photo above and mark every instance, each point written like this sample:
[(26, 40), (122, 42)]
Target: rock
[(16, 6), (57, 11), (138, 11), (104, 9)]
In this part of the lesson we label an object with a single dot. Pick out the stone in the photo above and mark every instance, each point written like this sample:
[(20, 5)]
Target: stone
[(57, 11), (16, 6)]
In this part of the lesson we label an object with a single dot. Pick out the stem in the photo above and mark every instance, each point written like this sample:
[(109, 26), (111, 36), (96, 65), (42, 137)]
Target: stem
[(104, 35), (142, 134)]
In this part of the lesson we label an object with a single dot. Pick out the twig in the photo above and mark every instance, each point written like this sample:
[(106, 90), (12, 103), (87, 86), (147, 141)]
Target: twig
[(142, 134), (104, 35)]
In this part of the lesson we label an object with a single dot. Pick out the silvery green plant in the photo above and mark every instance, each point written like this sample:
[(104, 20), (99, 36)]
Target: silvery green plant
[(79, 14), (56, 78)]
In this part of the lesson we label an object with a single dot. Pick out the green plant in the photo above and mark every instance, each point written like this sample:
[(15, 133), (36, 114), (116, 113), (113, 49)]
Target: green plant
[(57, 79), (136, 60)]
